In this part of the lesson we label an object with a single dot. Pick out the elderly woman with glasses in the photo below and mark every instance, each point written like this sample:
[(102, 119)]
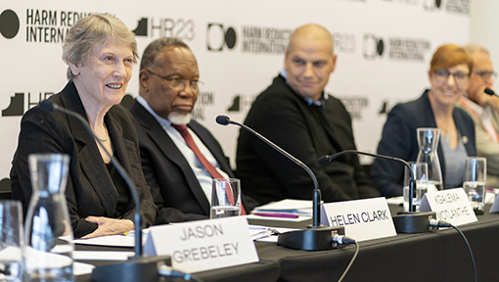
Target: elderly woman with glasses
[(100, 52), (449, 74)]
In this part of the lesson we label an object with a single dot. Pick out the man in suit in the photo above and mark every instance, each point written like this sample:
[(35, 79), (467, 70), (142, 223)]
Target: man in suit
[(169, 86), (296, 114), (484, 109)]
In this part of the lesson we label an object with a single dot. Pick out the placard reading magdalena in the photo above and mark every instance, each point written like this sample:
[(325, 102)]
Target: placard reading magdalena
[(203, 245)]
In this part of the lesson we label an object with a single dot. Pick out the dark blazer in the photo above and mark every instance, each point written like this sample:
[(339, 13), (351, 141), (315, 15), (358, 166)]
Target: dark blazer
[(90, 190), (399, 139), (306, 132), (174, 186)]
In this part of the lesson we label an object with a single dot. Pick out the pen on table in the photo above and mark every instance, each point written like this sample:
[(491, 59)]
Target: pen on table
[(285, 215)]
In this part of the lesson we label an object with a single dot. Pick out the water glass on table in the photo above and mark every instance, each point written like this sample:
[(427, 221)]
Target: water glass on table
[(11, 240), (475, 177), (225, 197), (420, 172)]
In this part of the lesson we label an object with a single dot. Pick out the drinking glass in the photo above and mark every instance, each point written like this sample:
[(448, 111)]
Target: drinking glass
[(475, 176), (225, 197), (420, 171), (11, 240)]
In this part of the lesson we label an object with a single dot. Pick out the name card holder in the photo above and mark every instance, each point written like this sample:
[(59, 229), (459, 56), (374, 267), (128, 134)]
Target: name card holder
[(362, 219), (450, 205), (204, 244)]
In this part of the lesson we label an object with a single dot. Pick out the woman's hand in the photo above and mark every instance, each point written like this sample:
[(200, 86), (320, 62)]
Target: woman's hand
[(108, 226)]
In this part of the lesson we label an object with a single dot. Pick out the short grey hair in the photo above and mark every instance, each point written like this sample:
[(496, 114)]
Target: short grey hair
[(472, 48), (156, 47), (95, 30)]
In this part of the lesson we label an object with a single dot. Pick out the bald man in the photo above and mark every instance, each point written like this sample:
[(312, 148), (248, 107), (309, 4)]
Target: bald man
[(484, 109), (296, 114)]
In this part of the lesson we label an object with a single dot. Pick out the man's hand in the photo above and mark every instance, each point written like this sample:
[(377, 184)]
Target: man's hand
[(108, 226), (488, 100)]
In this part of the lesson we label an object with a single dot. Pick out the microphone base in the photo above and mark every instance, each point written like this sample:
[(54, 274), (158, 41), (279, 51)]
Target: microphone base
[(316, 238), (134, 269), (413, 222)]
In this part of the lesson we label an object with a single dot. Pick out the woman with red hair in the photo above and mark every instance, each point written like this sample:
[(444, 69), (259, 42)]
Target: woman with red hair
[(449, 73)]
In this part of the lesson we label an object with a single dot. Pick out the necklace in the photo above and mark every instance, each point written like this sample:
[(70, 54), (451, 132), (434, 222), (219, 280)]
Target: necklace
[(105, 138)]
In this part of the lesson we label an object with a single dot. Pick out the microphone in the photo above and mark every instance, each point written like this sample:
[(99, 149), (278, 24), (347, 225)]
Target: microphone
[(490, 92), (138, 267), (412, 184), (317, 237), (224, 120), (407, 222)]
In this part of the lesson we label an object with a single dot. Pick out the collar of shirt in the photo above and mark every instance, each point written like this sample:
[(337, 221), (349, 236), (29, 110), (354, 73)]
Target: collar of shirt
[(164, 122), (484, 114), (472, 105), (310, 102)]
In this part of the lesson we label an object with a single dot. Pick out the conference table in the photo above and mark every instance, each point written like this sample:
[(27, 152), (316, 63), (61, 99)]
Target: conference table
[(431, 256)]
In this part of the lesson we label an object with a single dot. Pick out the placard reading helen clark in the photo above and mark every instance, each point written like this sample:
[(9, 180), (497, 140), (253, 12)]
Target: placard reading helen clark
[(363, 219)]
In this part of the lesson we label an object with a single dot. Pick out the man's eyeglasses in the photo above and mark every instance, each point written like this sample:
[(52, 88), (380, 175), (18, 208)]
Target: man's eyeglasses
[(486, 75), (459, 77), (178, 84)]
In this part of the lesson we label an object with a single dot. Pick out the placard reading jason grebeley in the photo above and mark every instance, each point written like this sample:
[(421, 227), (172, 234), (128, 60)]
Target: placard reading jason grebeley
[(363, 219), (204, 244)]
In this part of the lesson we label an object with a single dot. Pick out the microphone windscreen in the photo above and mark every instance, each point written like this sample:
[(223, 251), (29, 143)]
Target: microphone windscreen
[(323, 160), (489, 91), (46, 106), (223, 120)]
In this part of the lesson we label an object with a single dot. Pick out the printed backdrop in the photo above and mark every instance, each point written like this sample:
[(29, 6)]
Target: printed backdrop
[(383, 46)]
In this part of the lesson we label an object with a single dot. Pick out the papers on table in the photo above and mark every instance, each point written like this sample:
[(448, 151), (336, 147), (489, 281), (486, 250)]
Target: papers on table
[(80, 268), (276, 217), (258, 233), (98, 255), (395, 200), (113, 240), (297, 207), (285, 210), (266, 234)]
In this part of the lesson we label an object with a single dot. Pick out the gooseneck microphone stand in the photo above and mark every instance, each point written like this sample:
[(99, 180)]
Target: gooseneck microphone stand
[(406, 222), (316, 237)]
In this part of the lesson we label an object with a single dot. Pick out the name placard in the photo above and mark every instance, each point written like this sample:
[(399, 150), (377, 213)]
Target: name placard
[(495, 206), (363, 219), (204, 244), (451, 205)]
